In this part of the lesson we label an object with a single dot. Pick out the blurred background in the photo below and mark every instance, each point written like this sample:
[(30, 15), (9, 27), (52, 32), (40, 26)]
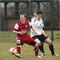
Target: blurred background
[(9, 15), (10, 10)]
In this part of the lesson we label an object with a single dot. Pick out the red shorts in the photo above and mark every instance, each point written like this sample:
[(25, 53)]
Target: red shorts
[(27, 40)]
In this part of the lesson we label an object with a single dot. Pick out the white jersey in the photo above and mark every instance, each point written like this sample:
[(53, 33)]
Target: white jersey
[(38, 25)]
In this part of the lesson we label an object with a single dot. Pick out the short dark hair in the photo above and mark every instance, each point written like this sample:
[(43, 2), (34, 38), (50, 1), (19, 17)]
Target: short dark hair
[(39, 12), (23, 14)]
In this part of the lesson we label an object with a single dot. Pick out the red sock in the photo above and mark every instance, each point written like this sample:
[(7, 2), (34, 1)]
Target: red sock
[(36, 51), (18, 48)]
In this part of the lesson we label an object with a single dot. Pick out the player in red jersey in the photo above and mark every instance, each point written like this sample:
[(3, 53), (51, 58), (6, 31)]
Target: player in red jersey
[(21, 29)]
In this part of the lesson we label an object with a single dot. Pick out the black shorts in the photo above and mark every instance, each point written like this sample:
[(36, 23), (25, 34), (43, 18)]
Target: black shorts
[(41, 37)]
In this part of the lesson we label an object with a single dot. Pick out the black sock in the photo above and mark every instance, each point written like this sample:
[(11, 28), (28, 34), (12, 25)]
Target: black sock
[(41, 48), (51, 49)]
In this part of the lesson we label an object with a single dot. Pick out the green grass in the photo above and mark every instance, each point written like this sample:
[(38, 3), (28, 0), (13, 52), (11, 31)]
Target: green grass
[(7, 40)]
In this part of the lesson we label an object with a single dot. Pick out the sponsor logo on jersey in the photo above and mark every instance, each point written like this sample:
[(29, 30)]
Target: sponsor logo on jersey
[(24, 31)]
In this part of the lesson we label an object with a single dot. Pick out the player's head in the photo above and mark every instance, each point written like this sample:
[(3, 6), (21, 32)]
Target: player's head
[(22, 17), (39, 15), (35, 13)]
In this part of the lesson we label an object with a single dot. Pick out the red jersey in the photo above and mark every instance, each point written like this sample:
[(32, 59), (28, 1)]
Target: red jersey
[(22, 28)]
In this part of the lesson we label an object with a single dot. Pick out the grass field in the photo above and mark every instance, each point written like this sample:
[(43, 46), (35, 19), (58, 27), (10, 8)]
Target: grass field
[(7, 40)]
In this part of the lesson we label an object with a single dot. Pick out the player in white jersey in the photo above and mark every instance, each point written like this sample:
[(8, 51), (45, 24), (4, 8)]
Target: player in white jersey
[(33, 19), (39, 33)]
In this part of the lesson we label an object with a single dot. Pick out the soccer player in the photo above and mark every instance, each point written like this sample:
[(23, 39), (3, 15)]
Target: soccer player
[(32, 33), (40, 34), (21, 29)]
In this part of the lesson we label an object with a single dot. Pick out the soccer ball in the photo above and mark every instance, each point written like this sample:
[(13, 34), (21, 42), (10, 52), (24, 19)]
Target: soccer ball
[(12, 51)]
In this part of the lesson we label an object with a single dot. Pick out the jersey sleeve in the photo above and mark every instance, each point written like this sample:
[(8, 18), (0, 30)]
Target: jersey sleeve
[(16, 27), (32, 21), (42, 24)]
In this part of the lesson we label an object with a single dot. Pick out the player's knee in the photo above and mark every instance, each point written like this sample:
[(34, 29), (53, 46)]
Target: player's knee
[(18, 42), (36, 45), (51, 43), (38, 42)]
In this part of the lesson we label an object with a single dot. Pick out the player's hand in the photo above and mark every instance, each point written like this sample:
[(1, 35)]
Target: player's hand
[(44, 33), (21, 32)]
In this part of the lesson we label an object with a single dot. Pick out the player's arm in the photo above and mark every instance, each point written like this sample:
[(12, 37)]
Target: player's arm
[(32, 27), (31, 24), (37, 32), (42, 24), (16, 27), (34, 30), (44, 33), (16, 32)]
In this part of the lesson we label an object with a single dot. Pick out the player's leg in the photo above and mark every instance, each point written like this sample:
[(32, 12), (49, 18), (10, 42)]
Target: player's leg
[(40, 44), (35, 49), (42, 49), (35, 44), (18, 46), (51, 47), (42, 38)]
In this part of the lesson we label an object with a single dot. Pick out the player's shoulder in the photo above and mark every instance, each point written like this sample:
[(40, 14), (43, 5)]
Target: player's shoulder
[(19, 22), (27, 22), (33, 19)]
